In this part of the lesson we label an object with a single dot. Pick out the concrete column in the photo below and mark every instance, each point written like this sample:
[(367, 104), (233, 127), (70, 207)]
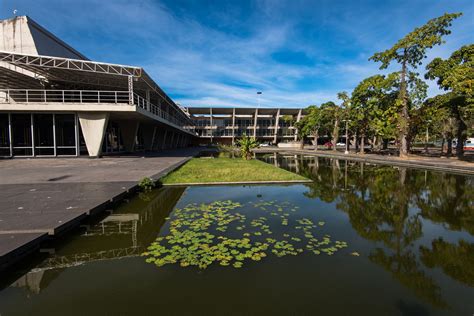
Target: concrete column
[(147, 99), (298, 118), (178, 139), (255, 124), (163, 144), (277, 122), (157, 141), (148, 132), (129, 130), (154, 139), (233, 126), (171, 140), (93, 127), (212, 124)]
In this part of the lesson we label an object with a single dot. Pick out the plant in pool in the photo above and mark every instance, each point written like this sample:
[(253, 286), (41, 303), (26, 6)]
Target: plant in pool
[(203, 234), (146, 184)]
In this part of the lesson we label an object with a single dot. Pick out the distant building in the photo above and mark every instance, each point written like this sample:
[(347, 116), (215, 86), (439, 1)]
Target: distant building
[(225, 125), (56, 102)]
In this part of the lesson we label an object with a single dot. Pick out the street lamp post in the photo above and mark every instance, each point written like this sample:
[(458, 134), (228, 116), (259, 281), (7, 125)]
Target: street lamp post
[(347, 137), (258, 98)]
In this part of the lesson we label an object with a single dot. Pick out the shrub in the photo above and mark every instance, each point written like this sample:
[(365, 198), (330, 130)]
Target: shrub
[(146, 184)]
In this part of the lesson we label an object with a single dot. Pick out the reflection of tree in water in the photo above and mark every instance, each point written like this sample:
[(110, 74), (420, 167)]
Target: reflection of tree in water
[(327, 178), (377, 200), (456, 260), (448, 199)]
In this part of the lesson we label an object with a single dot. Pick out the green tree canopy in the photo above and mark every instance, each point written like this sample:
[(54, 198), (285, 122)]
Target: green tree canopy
[(456, 74), (410, 52)]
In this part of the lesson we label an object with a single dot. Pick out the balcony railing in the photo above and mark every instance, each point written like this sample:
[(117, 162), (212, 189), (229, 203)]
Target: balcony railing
[(156, 110), (63, 96), (88, 97)]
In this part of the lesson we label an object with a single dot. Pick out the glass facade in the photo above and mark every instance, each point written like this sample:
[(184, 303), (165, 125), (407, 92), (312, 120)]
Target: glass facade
[(38, 134)]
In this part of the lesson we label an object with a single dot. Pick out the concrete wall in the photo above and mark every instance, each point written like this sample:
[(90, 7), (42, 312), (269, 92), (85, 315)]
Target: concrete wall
[(23, 35)]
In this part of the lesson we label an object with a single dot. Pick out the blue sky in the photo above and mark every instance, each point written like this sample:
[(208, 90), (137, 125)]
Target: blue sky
[(220, 53)]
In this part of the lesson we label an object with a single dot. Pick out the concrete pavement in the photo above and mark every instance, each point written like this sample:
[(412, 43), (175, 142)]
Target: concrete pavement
[(40, 198)]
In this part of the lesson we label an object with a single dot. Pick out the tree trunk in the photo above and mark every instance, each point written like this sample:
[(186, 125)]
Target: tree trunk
[(335, 133), (302, 143), (449, 151), (404, 116), (362, 144), (442, 144), (356, 143), (461, 135), (316, 136)]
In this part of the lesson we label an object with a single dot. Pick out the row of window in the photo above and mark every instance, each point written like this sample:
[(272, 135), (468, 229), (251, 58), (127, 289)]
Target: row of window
[(241, 132), (239, 123)]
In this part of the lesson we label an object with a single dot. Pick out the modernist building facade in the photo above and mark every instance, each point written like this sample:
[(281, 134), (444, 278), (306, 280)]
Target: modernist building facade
[(225, 125), (56, 102)]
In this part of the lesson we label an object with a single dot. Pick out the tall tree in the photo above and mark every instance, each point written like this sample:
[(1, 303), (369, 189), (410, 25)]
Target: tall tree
[(436, 115), (409, 52), (456, 74), (310, 124), (329, 118), (365, 97)]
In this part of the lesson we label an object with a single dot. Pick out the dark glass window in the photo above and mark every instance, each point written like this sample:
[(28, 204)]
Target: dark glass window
[(21, 134), (44, 136), (65, 130), (4, 136)]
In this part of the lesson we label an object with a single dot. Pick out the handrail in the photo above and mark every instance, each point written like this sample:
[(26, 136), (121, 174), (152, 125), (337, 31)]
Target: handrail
[(90, 96), (62, 96), (156, 110)]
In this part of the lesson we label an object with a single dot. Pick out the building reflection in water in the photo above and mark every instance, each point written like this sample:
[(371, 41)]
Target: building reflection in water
[(125, 233)]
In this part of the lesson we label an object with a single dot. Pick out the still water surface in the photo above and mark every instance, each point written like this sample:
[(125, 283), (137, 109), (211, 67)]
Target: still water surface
[(410, 251)]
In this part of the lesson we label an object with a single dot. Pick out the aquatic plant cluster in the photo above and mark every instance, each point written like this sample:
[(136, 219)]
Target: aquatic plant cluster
[(202, 234)]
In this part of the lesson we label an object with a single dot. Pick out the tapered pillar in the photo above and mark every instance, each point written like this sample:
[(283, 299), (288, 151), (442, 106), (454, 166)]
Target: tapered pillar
[(163, 144), (277, 122), (298, 118), (148, 133), (171, 140), (129, 130), (255, 124), (93, 127), (233, 126)]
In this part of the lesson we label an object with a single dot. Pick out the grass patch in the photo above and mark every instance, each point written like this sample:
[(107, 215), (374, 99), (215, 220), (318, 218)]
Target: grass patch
[(209, 170)]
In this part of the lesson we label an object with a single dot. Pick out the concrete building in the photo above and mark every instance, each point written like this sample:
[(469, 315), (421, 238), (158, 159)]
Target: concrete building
[(225, 125), (56, 102)]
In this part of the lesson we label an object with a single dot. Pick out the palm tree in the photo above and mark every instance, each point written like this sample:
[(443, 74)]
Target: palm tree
[(246, 144)]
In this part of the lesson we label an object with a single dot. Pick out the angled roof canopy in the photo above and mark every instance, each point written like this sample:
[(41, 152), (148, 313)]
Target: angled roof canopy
[(60, 69)]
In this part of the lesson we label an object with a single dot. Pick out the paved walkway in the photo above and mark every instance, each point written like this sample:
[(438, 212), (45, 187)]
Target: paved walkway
[(42, 197), (435, 163)]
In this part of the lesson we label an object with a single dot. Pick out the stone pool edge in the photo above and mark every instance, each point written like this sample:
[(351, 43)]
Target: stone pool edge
[(237, 183)]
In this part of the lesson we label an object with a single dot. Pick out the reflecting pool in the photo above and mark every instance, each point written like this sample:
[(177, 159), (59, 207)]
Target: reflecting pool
[(360, 240)]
